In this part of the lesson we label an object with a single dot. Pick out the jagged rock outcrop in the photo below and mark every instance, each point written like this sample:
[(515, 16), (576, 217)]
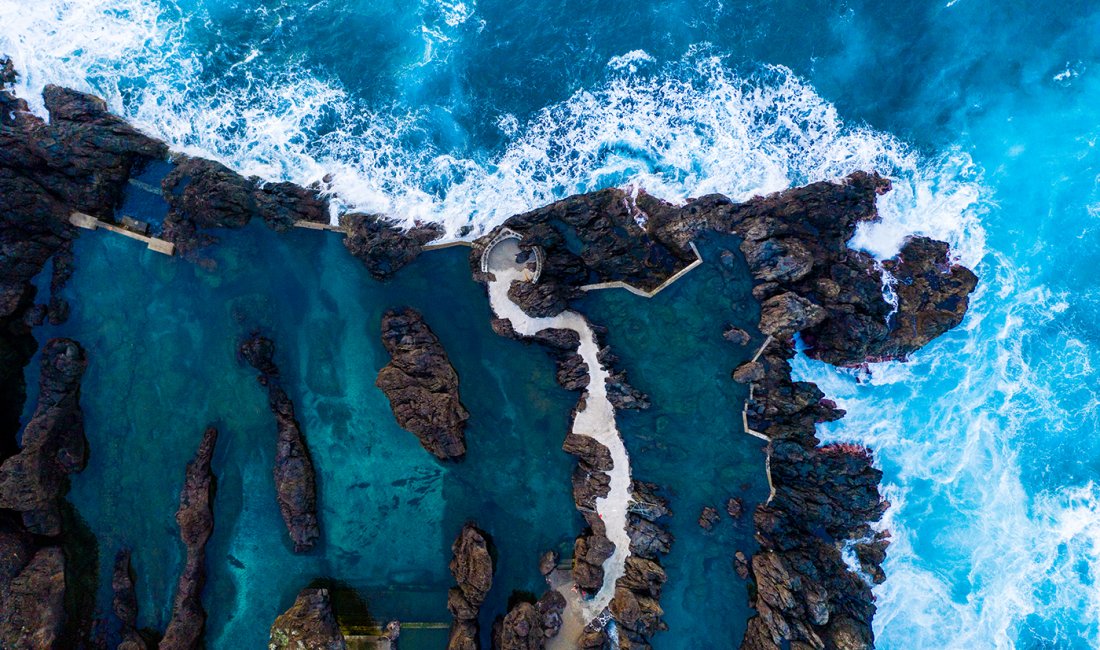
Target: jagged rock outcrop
[(32, 602), (79, 160), (522, 629), (124, 604), (295, 479), (382, 246), (636, 606), (33, 481), (589, 238), (933, 294), (472, 568), (708, 518), (203, 194), (422, 385), (196, 522), (309, 624), (827, 496)]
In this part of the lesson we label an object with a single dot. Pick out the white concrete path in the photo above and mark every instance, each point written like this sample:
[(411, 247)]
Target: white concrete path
[(597, 420)]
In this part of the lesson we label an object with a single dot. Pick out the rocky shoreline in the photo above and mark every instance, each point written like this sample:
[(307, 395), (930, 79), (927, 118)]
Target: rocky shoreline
[(810, 285)]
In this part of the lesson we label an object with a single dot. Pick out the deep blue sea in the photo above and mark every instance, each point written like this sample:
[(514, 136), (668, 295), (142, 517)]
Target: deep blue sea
[(463, 112)]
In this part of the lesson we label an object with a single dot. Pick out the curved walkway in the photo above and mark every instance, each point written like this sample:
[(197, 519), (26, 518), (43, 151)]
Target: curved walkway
[(597, 421)]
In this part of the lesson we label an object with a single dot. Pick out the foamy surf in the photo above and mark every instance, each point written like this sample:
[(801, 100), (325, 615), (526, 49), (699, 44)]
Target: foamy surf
[(679, 129)]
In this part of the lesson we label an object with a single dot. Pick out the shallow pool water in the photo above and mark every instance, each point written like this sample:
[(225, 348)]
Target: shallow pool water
[(161, 335)]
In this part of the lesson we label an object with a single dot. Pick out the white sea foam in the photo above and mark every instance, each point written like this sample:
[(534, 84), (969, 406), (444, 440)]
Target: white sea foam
[(682, 129)]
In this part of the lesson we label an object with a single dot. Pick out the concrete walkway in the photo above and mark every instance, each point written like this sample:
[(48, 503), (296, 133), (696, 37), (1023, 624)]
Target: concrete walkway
[(597, 420)]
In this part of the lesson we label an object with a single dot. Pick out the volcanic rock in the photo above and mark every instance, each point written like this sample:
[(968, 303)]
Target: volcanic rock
[(708, 518), (472, 568), (295, 480), (309, 624), (422, 385), (33, 603), (196, 521), (522, 629), (124, 603), (384, 247), (33, 481)]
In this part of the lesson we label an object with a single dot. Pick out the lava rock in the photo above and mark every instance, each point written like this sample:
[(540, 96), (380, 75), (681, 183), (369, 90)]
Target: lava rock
[(309, 624), (33, 603), (125, 604), (708, 518), (382, 246), (196, 522), (472, 568), (295, 478), (422, 385), (33, 481)]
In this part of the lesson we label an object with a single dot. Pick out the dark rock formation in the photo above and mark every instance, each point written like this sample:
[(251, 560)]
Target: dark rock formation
[(548, 562), (636, 605), (79, 160), (735, 507), (7, 72), (203, 194), (590, 482), (551, 606), (196, 521), (590, 238), (33, 603), (382, 246), (736, 335), (33, 481), (422, 385), (748, 372), (309, 624), (124, 603), (472, 568), (933, 294), (810, 282), (708, 518), (741, 565), (295, 482), (522, 629)]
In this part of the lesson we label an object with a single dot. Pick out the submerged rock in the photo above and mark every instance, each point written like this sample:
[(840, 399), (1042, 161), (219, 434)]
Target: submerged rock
[(422, 385), (33, 481), (708, 518), (196, 521), (309, 624), (295, 480)]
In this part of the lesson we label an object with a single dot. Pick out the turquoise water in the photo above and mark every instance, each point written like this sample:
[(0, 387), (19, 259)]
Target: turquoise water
[(691, 441), (163, 336), (984, 112)]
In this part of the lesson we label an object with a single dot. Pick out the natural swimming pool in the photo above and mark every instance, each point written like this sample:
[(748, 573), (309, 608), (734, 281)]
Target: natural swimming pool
[(161, 336)]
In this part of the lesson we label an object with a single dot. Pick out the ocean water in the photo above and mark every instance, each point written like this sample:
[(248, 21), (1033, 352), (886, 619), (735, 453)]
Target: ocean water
[(983, 112)]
